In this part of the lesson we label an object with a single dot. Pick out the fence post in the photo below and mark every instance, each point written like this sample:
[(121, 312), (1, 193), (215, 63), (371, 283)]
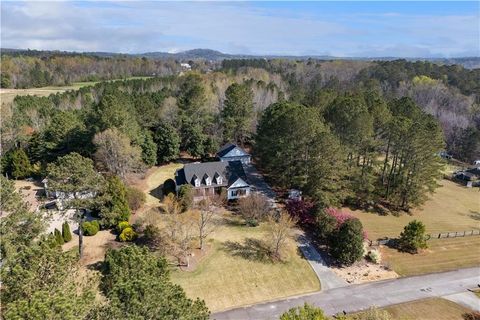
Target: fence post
[(464, 233), (455, 234)]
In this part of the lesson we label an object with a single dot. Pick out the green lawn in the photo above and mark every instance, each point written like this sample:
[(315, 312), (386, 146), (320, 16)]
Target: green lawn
[(228, 276), (427, 309), (442, 255), (225, 280), (451, 208), (154, 179), (7, 95)]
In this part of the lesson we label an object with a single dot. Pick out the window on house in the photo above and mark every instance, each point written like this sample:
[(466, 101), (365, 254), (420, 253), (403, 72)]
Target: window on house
[(208, 181), (219, 180), (197, 182)]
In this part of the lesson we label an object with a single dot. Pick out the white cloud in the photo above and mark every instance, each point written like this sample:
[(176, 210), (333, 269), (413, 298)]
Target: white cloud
[(230, 27)]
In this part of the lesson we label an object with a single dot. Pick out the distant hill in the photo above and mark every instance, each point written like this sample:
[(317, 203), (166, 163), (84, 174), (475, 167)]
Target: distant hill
[(213, 55)]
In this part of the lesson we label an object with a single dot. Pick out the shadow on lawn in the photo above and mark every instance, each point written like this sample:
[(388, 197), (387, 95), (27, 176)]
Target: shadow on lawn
[(475, 215), (157, 192), (251, 249), (232, 222)]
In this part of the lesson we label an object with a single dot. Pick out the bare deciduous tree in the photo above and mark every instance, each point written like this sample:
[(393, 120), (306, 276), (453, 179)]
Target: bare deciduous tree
[(255, 207), (172, 209), (184, 235), (279, 229), (205, 218), (115, 152), (180, 229)]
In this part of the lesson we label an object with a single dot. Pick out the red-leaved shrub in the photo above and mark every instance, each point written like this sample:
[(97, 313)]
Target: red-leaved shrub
[(302, 210), (341, 217)]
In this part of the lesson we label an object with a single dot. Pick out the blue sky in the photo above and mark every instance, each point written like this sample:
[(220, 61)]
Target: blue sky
[(338, 28)]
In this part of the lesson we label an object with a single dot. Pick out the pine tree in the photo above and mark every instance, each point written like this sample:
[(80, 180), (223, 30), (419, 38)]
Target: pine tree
[(114, 203), (66, 234), (237, 113), (168, 143), (58, 237), (20, 165), (413, 237)]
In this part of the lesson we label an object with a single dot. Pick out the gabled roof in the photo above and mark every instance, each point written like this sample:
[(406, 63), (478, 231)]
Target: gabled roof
[(474, 171), (231, 171), (229, 147)]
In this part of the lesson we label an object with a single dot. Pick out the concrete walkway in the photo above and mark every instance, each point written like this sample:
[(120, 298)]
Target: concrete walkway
[(359, 297), (467, 299)]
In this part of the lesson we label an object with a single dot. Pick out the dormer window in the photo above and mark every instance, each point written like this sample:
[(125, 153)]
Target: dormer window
[(207, 179), (196, 181), (218, 178)]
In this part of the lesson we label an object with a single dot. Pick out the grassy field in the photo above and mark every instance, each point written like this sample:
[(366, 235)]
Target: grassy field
[(451, 208), (427, 309), (7, 95), (225, 279), (154, 179), (442, 255)]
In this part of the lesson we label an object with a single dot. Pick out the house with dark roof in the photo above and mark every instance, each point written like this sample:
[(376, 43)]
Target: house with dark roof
[(210, 178), (232, 152), (470, 176)]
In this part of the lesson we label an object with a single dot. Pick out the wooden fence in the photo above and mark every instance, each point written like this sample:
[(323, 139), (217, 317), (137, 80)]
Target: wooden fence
[(444, 235), (441, 235)]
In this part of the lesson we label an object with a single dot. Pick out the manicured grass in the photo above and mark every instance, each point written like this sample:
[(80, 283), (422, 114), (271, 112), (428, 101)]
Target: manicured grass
[(442, 255), (427, 309), (451, 208), (155, 178), (225, 280)]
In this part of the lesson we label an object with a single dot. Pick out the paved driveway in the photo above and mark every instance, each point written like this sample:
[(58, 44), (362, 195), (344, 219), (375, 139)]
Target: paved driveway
[(256, 180), (328, 279), (359, 297)]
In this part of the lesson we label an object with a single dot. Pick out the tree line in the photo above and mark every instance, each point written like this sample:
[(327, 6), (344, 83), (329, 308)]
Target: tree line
[(30, 71), (126, 126), (448, 92), (358, 149)]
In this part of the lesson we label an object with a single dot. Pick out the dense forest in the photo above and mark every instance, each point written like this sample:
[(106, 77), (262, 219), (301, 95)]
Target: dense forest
[(450, 93), (339, 145)]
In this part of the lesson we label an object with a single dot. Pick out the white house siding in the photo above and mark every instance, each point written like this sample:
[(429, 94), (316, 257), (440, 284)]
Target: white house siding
[(238, 193), (236, 154), (243, 159), (238, 189)]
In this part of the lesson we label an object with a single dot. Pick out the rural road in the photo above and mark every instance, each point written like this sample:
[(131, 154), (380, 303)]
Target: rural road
[(359, 297)]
